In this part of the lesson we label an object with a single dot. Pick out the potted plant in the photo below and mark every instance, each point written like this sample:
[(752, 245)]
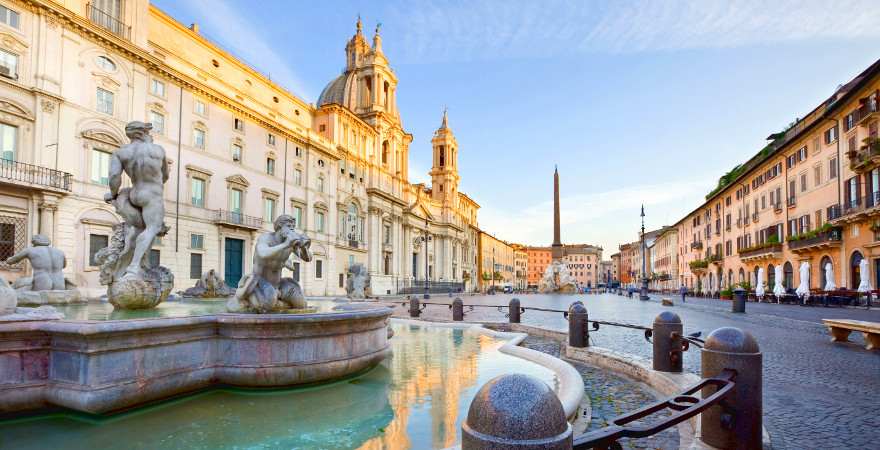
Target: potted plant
[(727, 293)]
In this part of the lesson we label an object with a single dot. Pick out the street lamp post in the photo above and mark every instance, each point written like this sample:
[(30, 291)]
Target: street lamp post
[(425, 239), (643, 294)]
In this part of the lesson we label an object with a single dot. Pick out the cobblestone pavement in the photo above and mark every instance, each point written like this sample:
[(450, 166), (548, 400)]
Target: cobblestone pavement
[(611, 396), (817, 394)]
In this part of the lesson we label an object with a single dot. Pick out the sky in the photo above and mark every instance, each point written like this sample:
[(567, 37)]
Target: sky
[(636, 102)]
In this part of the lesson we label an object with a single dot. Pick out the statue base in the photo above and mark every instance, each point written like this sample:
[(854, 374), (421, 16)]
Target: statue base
[(256, 295), (141, 293), (53, 297)]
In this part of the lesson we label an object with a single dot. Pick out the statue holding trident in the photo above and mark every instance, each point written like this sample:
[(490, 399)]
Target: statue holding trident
[(125, 262), (264, 290)]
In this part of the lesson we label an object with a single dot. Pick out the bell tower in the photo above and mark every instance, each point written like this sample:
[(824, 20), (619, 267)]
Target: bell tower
[(444, 170)]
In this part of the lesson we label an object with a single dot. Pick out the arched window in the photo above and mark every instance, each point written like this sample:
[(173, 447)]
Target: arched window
[(855, 269), (742, 275), (771, 277), (730, 277), (822, 275), (787, 275), (105, 63), (442, 156), (755, 277)]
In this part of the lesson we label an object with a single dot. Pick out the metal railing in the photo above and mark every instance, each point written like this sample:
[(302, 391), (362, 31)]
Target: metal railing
[(237, 218), (832, 235), (406, 287), (38, 175), (108, 22)]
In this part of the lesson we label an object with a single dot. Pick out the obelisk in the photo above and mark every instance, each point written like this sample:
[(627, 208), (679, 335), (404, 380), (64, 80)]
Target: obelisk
[(557, 251)]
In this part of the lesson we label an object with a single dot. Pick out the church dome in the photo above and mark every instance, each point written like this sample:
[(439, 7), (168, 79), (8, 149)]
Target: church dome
[(334, 92)]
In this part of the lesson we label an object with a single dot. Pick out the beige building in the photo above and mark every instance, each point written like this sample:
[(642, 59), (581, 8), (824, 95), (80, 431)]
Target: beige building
[(242, 150), (521, 266), (497, 262), (811, 195), (664, 260), (615, 267)]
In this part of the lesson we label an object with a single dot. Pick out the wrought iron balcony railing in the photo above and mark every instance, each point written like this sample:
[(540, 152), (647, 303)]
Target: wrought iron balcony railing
[(108, 22), (37, 175), (237, 219), (826, 238)]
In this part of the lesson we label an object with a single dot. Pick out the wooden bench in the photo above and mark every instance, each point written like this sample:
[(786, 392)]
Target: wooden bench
[(841, 328)]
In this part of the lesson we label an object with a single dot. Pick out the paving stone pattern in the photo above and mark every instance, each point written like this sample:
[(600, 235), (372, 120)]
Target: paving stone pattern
[(817, 394)]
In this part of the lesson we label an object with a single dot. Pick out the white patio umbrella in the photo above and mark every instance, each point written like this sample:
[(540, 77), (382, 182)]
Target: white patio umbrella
[(829, 278), (803, 289), (865, 282), (759, 288), (778, 289)]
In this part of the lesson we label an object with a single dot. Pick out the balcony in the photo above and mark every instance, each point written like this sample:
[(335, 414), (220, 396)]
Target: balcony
[(237, 220), (108, 22), (697, 245), (755, 217), (699, 265), (817, 240), (29, 175), (761, 251), (714, 259), (866, 157), (832, 212), (777, 207), (791, 202), (868, 110)]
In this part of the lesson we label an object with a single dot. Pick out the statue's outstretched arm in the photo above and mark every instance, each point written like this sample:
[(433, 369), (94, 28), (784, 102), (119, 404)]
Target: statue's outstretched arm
[(17, 257), (115, 175), (269, 251)]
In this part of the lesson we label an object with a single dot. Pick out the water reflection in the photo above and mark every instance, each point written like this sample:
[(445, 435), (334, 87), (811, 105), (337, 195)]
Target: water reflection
[(180, 308), (416, 399)]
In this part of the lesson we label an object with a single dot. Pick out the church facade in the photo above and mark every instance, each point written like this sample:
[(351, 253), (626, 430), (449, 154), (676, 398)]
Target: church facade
[(242, 151)]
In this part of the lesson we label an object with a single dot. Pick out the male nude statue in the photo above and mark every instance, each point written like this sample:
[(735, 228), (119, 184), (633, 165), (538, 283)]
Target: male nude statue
[(47, 262), (259, 291), (143, 205)]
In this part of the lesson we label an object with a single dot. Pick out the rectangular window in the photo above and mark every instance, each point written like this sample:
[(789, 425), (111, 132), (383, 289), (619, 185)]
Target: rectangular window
[(832, 168), (96, 243), (320, 184), (319, 269), (9, 17), (269, 209), (817, 175), (199, 138), (387, 233), (341, 280), (100, 167), (197, 186), (270, 166), (238, 124), (201, 108), (197, 241), (235, 200), (319, 222), (297, 215), (297, 152), (195, 265), (8, 64), (270, 139), (104, 101), (298, 177), (154, 258), (157, 87), (158, 121), (236, 153), (803, 182), (830, 135), (8, 142)]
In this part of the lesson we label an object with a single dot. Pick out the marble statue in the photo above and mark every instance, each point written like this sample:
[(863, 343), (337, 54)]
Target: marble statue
[(557, 279), (47, 284), (209, 286), (132, 284), (264, 290), (357, 283), (829, 278), (11, 312)]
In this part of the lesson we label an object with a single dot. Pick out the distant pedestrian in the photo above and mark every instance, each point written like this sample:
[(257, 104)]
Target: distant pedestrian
[(684, 291)]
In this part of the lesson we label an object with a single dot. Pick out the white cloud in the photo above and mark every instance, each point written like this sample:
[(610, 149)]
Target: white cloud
[(220, 19), (492, 29), (605, 218)]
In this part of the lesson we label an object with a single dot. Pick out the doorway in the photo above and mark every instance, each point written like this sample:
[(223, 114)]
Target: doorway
[(234, 259)]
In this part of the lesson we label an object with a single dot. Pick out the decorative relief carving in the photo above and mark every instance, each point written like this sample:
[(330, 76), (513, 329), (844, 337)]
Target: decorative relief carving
[(48, 106)]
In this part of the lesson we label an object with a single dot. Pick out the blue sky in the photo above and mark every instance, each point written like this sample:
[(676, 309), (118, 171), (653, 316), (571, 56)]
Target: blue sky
[(636, 101)]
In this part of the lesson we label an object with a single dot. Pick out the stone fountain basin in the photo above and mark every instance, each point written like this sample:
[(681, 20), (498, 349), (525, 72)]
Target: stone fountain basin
[(106, 366)]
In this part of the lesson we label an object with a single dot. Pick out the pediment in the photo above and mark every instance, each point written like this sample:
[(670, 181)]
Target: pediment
[(10, 107), (238, 179), (102, 136), (12, 42)]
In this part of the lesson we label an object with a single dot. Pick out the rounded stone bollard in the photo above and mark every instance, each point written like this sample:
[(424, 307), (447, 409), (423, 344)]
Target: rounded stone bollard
[(578, 325), (739, 425), (667, 348), (513, 310), (738, 304), (516, 411), (414, 307), (457, 309)]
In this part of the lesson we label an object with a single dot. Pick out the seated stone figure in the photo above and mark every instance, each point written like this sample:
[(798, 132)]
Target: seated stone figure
[(357, 285), (47, 262), (47, 284), (209, 286), (264, 291)]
